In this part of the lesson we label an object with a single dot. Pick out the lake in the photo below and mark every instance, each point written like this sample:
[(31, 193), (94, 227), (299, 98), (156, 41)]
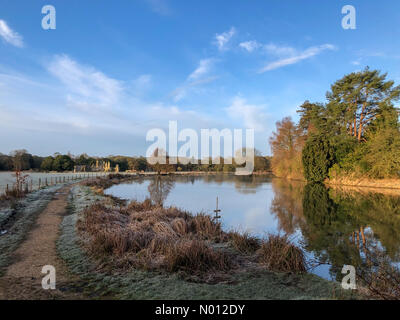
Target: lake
[(334, 227)]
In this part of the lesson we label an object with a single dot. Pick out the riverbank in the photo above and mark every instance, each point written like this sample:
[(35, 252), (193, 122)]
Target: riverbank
[(81, 277), (364, 183), (374, 185), (137, 283)]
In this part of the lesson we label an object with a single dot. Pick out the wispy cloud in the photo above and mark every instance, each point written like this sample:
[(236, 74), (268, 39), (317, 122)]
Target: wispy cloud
[(222, 39), (250, 46), (252, 116), (294, 56), (204, 67), (160, 6), (87, 87), (199, 76), (10, 35)]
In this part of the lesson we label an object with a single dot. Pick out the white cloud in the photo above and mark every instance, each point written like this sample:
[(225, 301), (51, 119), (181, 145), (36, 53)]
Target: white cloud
[(253, 116), (250, 46), (197, 78), (204, 67), (295, 58), (9, 35), (222, 39), (87, 87)]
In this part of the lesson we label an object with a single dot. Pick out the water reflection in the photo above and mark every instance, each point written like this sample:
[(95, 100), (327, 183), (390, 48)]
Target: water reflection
[(336, 227), (159, 189), (340, 227)]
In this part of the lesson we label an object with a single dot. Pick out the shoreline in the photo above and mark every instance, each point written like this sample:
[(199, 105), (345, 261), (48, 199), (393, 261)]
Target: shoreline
[(142, 284)]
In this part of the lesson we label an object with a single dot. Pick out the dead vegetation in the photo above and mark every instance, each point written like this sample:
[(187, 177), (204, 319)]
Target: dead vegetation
[(244, 242), (379, 278), (149, 237), (277, 253)]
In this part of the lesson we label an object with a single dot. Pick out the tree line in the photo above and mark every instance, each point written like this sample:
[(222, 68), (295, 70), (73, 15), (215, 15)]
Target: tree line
[(19, 160), (355, 133)]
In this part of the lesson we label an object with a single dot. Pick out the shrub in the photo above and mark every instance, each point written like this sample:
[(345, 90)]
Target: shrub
[(244, 242), (277, 253), (194, 256), (205, 227), (317, 157)]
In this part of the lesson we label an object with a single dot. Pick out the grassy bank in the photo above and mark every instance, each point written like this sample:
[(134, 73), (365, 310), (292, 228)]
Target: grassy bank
[(144, 265), (365, 182)]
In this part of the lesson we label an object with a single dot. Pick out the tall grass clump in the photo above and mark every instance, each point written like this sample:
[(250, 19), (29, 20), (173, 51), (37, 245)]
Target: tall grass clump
[(195, 256), (150, 237), (277, 253), (244, 242)]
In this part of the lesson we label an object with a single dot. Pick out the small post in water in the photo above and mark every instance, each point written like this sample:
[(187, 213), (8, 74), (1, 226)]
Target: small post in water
[(217, 211)]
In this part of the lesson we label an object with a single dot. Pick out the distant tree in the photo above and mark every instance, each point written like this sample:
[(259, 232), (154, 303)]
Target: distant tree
[(47, 164), (22, 160), (63, 163), (6, 162), (138, 164), (37, 162)]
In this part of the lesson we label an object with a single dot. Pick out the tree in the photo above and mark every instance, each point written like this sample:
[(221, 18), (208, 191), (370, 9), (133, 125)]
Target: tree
[(63, 163), (47, 164), (286, 145), (356, 99), (138, 164), (22, 160), (318, 158), (311, 117)]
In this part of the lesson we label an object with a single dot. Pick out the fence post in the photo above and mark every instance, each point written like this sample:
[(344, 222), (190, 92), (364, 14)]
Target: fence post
[(40, 182), (46, 183)]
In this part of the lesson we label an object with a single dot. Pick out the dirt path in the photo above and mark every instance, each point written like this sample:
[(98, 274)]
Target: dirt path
[(23, 279)]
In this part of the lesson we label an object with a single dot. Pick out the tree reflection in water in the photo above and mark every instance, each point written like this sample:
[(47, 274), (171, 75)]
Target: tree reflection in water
[(340, 227), (159, 189)]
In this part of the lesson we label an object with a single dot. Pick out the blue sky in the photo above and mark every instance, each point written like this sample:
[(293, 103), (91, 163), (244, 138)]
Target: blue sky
[(112, 70)]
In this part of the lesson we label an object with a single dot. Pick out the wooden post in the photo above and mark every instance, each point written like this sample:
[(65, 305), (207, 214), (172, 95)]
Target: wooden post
[(31, 185), (46, 183), (217, 211), (7, 189), (40, 182)]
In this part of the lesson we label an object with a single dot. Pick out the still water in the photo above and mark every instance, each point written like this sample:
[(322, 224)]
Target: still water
[(333, 227)]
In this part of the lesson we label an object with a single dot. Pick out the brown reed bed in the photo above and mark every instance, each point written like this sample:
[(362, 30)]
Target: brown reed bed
[(149, 237), (277, 253)]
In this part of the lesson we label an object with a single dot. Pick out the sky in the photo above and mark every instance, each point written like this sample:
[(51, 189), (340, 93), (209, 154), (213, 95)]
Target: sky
[(112, 70)]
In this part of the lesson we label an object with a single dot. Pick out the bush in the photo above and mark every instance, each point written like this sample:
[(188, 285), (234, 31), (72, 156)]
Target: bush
[(195, 257), (244, 242), (277, 253), (318, 158)]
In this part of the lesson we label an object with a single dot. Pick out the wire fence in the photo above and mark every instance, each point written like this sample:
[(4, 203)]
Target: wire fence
[(37, 181)]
